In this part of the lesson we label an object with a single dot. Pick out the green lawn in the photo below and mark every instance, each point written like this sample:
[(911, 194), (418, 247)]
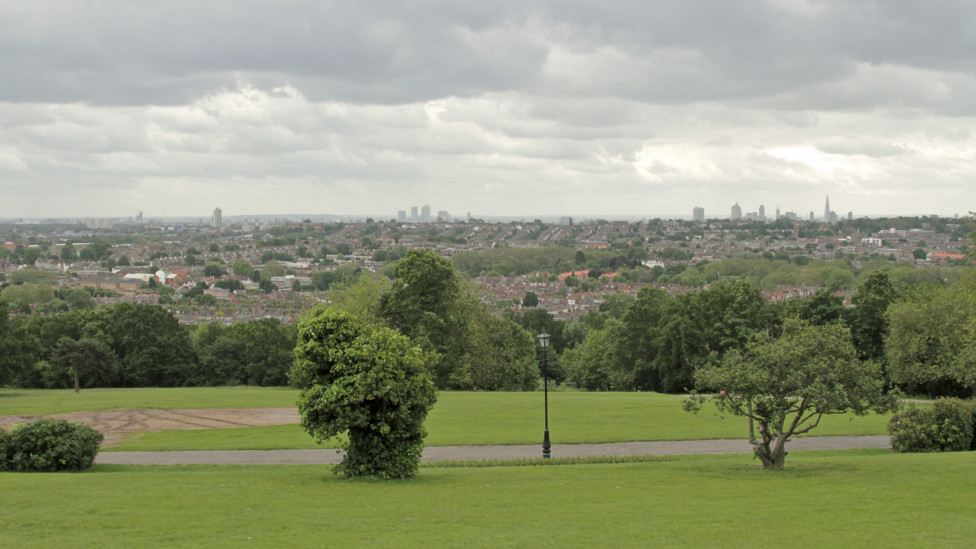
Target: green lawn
[(516, 418), (33, 401), (457, 418), (822, 500)]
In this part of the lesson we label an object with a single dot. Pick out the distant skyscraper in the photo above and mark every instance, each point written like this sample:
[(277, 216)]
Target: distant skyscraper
[(827, 210), (139, 217), (425, 213), (217, 220), (762, 213), (402, 216), (413, 213), (736, 212), (698, 213), (443, 215)]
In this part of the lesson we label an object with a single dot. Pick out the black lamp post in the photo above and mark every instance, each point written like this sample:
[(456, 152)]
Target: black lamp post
[(544, 343)]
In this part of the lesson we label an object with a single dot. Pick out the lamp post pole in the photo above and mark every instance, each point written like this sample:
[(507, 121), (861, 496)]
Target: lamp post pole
[(544, 343)]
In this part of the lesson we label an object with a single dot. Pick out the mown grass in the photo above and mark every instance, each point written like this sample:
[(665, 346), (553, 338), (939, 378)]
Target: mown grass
[(458, 418), (823, 499), (35, 401)]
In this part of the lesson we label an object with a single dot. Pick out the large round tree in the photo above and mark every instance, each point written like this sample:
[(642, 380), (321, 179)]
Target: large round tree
[(367, 381)]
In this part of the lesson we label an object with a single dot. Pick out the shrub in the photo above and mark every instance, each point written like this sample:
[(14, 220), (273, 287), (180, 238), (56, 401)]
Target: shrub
[(947, 426), (53, 445), (953, 420), (912, 431), (5, 447)]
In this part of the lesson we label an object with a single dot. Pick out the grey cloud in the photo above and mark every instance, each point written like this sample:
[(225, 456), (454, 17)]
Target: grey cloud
[(393, 52), (875, 149)]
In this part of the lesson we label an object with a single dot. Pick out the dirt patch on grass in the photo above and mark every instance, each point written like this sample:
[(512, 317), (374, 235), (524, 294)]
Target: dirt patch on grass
[(115, 424)]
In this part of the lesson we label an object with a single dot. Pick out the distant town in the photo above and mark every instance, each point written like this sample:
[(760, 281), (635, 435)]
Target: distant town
[(229, 269)]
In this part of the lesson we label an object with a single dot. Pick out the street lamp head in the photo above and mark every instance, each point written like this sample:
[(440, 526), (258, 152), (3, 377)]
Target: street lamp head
[(544, 340)]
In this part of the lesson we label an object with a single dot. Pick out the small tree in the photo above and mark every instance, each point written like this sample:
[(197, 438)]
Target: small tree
[(368, 381), (88, 357), (788, 384)]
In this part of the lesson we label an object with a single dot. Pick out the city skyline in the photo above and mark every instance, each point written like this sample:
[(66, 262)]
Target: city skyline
[(635, 109)]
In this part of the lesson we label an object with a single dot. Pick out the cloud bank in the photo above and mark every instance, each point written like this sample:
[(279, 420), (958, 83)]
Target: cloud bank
[(502, 108)]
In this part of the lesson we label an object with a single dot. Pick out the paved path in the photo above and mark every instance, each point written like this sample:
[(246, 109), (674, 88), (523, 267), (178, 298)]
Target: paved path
[(467, 453)]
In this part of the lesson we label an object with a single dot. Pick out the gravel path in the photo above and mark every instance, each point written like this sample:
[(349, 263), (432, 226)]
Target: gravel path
[(467, 453)]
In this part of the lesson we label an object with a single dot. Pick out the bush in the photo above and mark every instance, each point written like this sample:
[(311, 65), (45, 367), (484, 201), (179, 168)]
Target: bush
[(912, 431), (953, 420), (5, 447), (948, 426), (53, 445)]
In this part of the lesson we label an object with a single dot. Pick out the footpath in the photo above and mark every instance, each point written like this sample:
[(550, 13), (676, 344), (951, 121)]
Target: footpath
[(497, 452)]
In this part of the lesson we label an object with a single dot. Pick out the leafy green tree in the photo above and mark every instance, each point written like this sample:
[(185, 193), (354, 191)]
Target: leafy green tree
[(422, 303), (821, 308), (214, 269), (592, 366), (151, 347), (242, 267), (530, 299), (68, 253), (369, 382), (272, 269), (267, 286), (499, 355), (268, 351), (932, 336), (231, 284), (79, 300), (869, 325), (785, 386), (84, 357), (361, 298)]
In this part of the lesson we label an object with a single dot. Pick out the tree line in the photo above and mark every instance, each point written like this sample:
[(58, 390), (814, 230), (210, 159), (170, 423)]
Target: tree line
[(138, 345), (922, 336)]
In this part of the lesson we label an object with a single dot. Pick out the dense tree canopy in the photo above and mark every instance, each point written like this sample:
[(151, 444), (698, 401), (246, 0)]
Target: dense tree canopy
[(933, 336), (369, 382)]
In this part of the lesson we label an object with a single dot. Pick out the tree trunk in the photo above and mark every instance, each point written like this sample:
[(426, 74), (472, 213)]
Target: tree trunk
[(771, 451), (76, 381)]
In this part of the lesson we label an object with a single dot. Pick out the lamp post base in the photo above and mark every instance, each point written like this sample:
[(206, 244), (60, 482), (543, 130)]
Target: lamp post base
[(545, 445)]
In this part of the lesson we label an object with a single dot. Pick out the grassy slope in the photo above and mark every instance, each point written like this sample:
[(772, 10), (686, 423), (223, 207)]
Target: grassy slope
[(457, 418), (838, 499)]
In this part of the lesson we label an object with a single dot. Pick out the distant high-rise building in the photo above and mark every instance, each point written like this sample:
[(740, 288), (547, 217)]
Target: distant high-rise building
[(217, 220), (413, 213), (443, 215), (762, 213), (698, 213), (425, 213), (827, 210), (139, 217), (777, 214), (736, 212), (402, 216), (850, 216), (811, 216)]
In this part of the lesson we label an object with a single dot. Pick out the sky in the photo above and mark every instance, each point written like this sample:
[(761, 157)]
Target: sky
[(631, 108)]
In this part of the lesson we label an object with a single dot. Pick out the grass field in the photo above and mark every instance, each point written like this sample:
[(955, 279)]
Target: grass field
[(457, 418), (34, 401), (822, 500)]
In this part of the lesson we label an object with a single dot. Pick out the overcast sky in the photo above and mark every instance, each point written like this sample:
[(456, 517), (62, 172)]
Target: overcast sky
[(520, 108)]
